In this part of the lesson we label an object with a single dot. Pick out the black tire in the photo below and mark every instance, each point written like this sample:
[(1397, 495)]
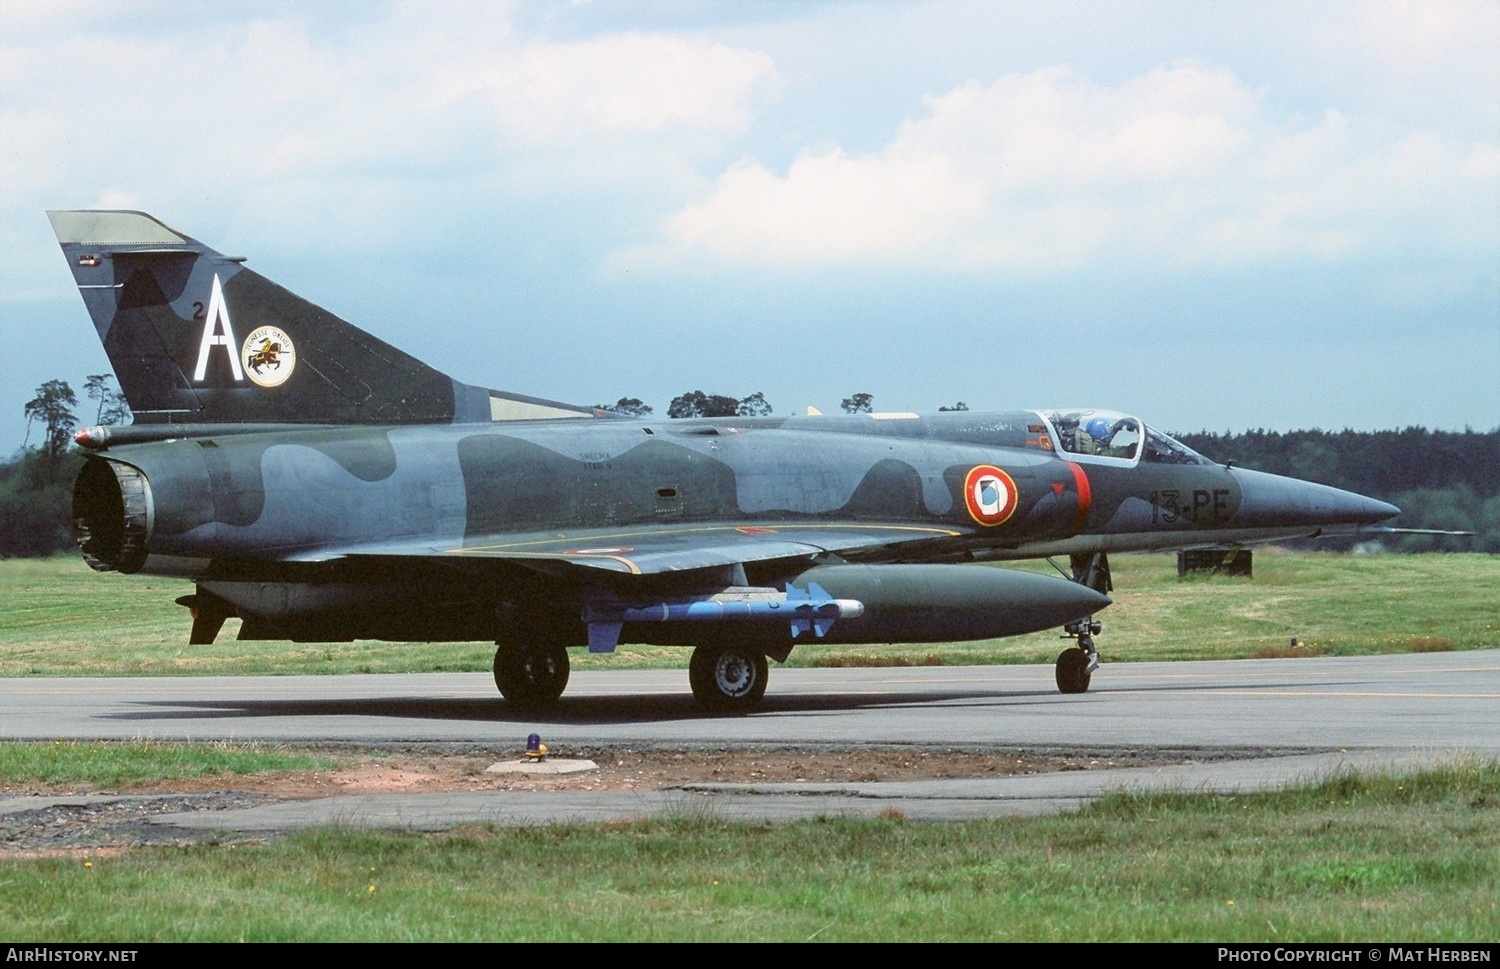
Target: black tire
[(1072, 671), (728, 679), (531, 677)]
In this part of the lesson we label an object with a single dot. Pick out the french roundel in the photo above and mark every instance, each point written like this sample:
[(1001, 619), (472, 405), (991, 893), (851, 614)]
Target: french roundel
[(990, 495)]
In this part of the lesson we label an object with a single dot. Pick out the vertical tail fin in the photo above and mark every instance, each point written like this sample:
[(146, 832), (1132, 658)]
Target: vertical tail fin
[(195, 337)]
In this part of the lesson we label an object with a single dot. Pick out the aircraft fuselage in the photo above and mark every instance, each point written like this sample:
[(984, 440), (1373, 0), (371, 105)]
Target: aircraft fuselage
[(319, 494)]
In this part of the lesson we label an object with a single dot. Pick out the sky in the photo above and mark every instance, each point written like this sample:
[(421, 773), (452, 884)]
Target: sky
[(1278, 215)]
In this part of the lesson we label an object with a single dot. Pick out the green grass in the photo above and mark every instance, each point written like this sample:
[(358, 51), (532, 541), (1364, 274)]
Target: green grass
[(1411, 857), (57, 618), (101, 764)]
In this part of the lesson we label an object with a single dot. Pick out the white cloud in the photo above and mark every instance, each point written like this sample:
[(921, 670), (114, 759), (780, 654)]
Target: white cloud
[(1483, 162), (1038, 173), (825, 204), (27, 137), (1053, 125), (1402, 33), (620, 83), (355, 126)]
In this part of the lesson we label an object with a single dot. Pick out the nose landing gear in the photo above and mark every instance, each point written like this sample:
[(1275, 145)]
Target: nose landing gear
[(1075, 667)]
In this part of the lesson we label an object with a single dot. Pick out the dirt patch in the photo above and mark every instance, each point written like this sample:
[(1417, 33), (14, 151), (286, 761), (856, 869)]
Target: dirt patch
[(73, 820), (421, 771)]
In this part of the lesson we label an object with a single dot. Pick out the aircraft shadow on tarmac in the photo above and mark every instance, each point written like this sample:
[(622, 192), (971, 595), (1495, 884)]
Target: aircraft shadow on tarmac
[(1219, 686), (635, 707), (622, 709)]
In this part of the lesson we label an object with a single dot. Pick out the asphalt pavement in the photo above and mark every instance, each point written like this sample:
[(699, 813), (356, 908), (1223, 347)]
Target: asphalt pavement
[(1232, 727)]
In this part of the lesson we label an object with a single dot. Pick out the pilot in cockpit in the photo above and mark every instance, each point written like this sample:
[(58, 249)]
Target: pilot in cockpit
[(1100, 431)]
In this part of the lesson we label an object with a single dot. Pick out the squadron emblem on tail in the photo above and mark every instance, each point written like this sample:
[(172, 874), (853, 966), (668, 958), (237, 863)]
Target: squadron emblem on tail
[(269, 356)]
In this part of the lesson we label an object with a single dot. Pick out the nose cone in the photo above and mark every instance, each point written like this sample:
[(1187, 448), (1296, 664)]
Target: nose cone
[(1269, 500)]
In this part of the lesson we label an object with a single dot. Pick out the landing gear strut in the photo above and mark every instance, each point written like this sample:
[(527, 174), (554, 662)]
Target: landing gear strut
[(728, 679), (531, 676), (1075, 667)]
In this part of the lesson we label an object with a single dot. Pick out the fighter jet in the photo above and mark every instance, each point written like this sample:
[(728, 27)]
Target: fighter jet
[(320, 485)]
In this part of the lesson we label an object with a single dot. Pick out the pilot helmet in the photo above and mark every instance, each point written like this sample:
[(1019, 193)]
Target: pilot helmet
[(1099, 429)]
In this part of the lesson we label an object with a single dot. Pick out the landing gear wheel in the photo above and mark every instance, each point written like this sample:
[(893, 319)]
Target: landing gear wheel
[(531, 677), (728, 679), (1073, 673)]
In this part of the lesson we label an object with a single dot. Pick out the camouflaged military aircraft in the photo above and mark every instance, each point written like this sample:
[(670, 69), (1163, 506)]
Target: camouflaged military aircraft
[(320, 485)]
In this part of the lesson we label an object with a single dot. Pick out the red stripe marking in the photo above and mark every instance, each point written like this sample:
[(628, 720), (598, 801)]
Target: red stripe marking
[(1085, 496)]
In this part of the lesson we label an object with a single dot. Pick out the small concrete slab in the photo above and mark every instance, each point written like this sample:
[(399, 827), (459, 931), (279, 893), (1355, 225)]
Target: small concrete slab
[(543, 765)]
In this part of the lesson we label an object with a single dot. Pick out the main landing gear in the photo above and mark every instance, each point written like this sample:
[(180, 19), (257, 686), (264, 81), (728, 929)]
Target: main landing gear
[(531, 676), (1075, 666), (725, 679), (728, 679)]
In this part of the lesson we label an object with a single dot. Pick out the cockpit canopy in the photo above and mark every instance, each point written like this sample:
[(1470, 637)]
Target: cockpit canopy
[(1112, 435)]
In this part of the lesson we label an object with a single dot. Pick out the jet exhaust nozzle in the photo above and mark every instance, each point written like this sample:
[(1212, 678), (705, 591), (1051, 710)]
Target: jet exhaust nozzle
[(112, 515)]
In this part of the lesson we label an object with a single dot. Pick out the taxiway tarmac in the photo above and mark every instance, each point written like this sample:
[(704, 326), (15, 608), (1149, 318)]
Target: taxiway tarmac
[(1237, 725)]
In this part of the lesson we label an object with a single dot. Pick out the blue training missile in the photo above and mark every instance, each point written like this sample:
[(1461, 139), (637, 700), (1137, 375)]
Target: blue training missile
[(810, 610)]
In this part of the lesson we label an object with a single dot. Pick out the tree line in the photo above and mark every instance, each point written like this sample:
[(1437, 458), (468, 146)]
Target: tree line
[(36, 485), (1446, 480), (695, 403), (1440, 479)]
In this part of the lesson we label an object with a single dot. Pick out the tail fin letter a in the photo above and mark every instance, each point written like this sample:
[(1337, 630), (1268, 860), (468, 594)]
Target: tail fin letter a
[(218, 331)]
